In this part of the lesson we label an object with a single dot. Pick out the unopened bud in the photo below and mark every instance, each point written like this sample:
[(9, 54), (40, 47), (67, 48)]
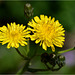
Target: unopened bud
[(53, 59), (61, 58), (28, 10), (44, 57)]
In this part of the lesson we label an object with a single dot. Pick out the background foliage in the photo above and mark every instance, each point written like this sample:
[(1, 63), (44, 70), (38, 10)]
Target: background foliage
[(13, 11)]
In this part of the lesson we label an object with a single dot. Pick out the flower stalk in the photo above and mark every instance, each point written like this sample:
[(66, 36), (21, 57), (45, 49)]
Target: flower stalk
[(23, 69), (38, 70), (60, 52), (26, 58)]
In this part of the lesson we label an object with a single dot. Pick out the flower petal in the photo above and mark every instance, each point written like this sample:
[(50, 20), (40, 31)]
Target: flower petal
[(37, 41), (44, 46), (53, 48), (37, 19)]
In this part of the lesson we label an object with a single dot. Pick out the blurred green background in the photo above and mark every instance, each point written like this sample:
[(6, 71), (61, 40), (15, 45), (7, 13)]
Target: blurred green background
[(13, 11)]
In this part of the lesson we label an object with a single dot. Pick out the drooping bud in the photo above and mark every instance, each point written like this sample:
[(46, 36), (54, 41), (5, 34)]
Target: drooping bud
[(61, 63), (28, 10), (44, 57), (61, 60), (53, 59)]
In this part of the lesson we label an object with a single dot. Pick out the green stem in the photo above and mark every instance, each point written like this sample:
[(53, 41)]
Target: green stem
[(37, 70), (60, 52), (23, 69), (28, 47), (26, 58)]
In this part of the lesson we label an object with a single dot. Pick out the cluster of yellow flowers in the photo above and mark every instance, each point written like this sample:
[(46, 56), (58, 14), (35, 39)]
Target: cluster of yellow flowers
[(46, 31)]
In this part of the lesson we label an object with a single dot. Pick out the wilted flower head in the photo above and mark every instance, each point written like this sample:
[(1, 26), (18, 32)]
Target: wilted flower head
[(47, 32), (13, 34)]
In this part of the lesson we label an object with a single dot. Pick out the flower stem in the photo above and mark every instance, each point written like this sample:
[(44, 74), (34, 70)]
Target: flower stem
[(37, 70), (28, 47), (26, 58), (23, 69), (60, 52)]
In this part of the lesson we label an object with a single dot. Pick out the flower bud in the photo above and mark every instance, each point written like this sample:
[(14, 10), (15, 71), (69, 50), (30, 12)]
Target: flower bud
[(61, 58), (44, 57), (53, 59), (28, 10), (61, 63), (52, 56)]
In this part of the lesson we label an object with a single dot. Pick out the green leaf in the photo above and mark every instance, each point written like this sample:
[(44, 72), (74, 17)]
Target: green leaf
[(24, 50), (9, 60)]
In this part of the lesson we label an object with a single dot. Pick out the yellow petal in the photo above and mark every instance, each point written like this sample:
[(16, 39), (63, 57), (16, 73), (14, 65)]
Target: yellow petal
[(52, 20), (33, 22), (46, 19), (44, 46), (40, 43), (42, 17), (3, 29), (53, 48), (37, 41), (48, 43), (16, 45), (27, 36), (5, 41), (57, 24), (25, 43), (8, 25), (22, 44), (37, 19), (49, 18), (12, 44), (8, 46), (32, 39), (58, 44)]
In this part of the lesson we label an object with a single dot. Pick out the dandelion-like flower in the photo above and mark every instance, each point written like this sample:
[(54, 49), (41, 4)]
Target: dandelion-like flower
[(13, 34), (47, 32)]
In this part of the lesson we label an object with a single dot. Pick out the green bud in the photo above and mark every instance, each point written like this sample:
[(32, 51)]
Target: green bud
[(61, 58), (44, 57), (53, 59), (61, 63), (52, 56), (28, 10)]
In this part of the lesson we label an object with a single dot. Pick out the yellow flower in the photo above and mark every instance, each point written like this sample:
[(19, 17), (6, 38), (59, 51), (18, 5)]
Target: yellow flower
[(13, 35), (47, 32)]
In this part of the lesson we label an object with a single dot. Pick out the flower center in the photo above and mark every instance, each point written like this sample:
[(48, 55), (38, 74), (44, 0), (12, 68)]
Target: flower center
[(14, 35), (47, 31)]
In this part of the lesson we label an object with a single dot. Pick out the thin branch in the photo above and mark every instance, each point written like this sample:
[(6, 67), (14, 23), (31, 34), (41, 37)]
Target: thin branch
[(52, 69), (37, 70), (24, 68), (66, 50), (26, 58)]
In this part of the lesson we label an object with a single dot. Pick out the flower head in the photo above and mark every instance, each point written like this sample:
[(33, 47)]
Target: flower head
[(47, 32), (13, 35)]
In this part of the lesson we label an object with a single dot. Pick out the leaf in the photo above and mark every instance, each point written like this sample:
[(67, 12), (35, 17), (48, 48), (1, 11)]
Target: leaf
[(24, 50)]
